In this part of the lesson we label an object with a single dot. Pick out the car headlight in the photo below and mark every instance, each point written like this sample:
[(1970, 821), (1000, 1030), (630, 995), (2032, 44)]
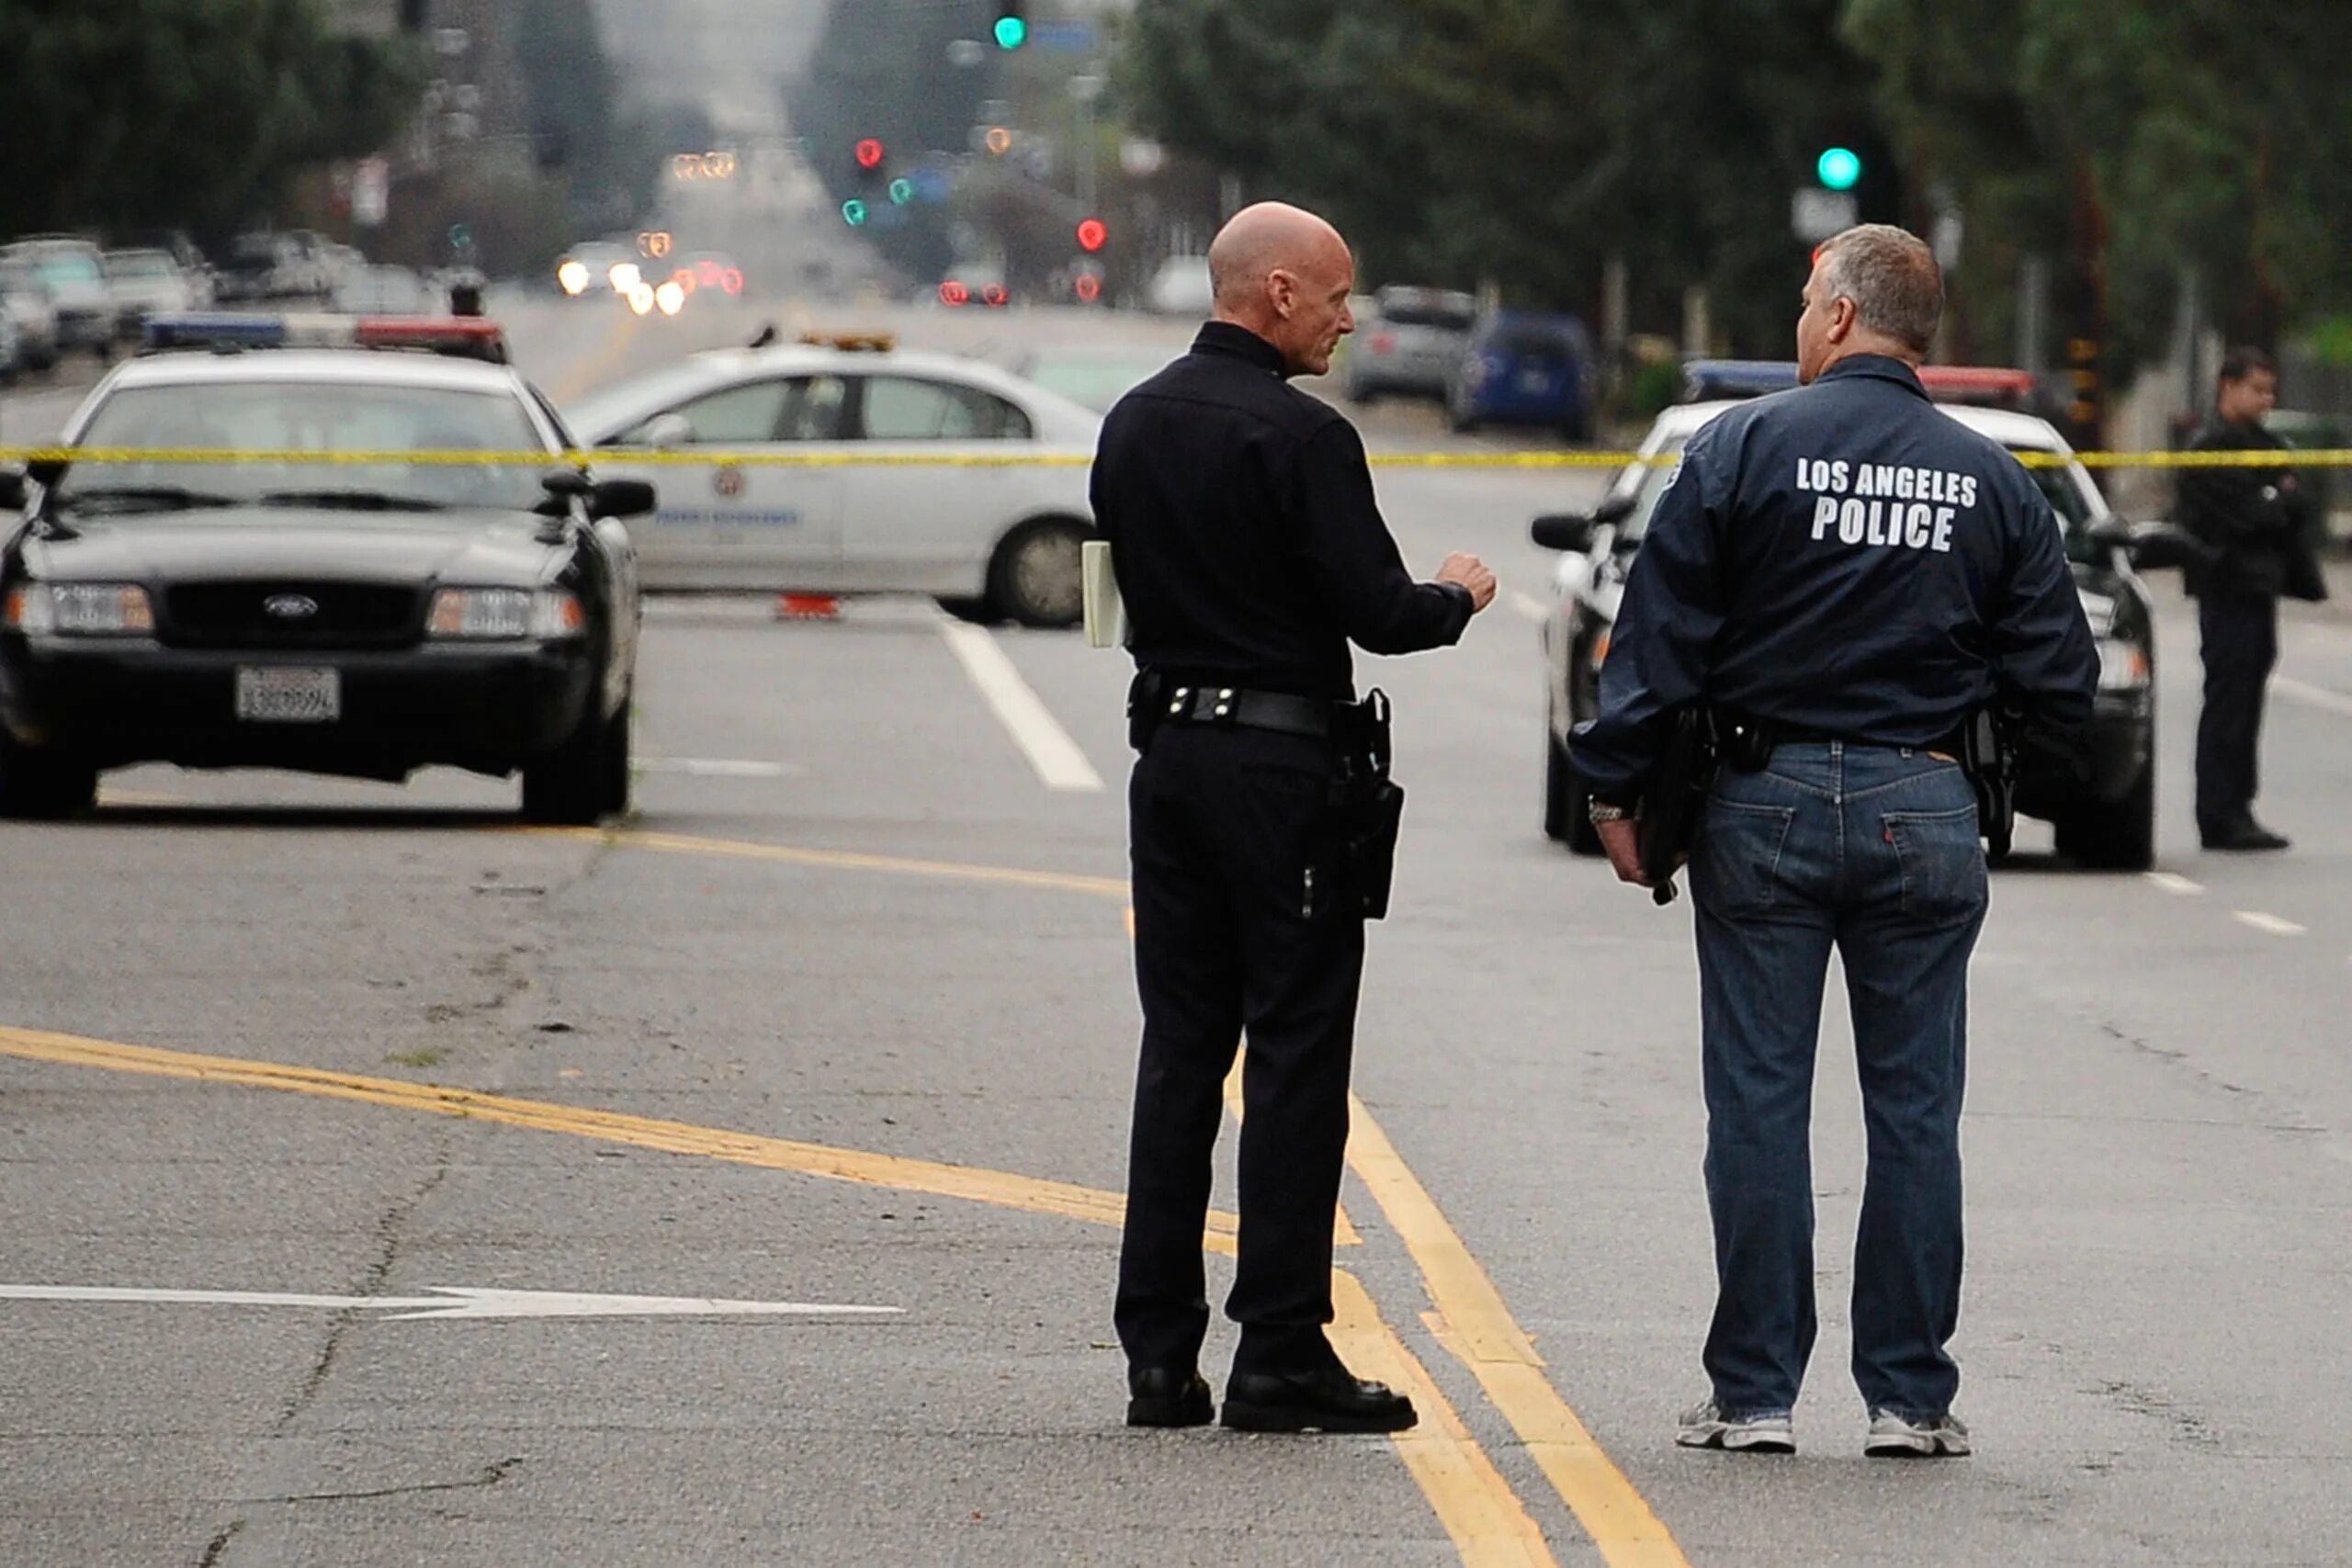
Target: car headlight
[(511, 613), (81, 609), (2122, 664)]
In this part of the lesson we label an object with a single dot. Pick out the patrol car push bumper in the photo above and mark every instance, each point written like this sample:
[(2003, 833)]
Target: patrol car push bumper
[(115, 702)]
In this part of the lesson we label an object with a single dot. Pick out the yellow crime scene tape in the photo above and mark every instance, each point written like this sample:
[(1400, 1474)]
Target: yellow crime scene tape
[(2265, 458)]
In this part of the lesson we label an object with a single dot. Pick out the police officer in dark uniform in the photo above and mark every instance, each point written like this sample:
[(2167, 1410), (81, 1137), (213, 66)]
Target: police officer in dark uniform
[(2250, 522), (1249, 552), (1845, 575)]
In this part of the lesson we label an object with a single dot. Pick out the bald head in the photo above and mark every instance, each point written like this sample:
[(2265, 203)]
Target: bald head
[(1284, 273)]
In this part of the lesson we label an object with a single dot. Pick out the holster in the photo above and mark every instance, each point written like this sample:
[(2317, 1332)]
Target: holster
[(1146, 696), (1369, 803), (1989, 760)]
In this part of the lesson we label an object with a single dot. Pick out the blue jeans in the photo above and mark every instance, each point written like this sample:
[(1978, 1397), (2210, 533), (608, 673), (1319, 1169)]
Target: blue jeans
[(1876, 851)]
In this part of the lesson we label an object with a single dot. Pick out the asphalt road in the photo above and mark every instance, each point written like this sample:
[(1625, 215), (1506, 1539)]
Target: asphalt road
[(844, 1016)]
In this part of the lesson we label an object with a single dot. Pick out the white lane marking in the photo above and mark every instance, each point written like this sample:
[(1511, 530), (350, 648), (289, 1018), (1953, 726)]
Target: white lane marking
[(715, 767), (2177, 884), (1059, 763), (1530, 606), (459, 1301), (2312, 696), (2271, 924)]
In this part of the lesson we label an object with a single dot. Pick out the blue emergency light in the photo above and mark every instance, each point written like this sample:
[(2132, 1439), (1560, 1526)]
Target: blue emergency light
[(1705, 381)]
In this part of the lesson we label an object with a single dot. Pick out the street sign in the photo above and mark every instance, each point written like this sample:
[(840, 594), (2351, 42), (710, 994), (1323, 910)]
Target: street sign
[(456, 1301), (1815, 214)]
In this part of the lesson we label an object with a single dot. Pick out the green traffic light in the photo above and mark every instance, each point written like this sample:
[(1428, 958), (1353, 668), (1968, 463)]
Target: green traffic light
[(853, 212), (1840, 168), (902, 192), (1011, 32)]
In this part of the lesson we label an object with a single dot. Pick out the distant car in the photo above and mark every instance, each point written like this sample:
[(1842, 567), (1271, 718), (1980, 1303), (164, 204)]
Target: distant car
[(73, 272), (1001, 536), (265, 267), (1181, 287), (146, 283), (1094, 375), (323, 604), (2105, 818), (1519, 367), (31, 311), (1410, 344), (384, 291)]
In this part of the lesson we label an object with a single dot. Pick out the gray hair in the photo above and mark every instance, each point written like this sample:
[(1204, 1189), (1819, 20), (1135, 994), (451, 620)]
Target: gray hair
[(1893, 279)]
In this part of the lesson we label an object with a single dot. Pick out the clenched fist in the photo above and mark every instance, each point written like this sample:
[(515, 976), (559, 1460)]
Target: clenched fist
[(1471, 573)]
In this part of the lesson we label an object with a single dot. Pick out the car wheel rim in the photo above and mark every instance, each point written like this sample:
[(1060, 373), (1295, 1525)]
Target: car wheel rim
[(1047, 572)]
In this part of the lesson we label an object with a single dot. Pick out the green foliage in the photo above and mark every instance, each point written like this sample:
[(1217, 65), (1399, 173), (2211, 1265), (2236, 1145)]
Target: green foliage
[(182, 112)]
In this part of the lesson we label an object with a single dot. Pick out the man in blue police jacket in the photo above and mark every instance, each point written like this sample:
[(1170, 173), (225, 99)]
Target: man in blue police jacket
[(1846, 574)]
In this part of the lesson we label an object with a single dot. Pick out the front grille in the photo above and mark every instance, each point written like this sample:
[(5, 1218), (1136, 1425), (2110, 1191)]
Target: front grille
[(238, 615)]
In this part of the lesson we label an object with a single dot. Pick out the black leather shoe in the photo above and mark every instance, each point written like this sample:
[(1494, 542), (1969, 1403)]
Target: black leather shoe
[(1169, 1396), (1327, 1400), (2248, 835)]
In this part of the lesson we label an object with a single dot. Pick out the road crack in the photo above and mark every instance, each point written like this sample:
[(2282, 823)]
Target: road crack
[(490, 1476)]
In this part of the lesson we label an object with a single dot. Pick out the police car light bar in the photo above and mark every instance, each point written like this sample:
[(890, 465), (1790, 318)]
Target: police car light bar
[(1977, 383), (1705, 381), (220, 331)]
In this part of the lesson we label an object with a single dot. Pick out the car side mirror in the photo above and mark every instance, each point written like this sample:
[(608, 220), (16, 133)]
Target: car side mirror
[(563, 486), (621, 498), (670, 430), (2159, 547), (1569, 531)]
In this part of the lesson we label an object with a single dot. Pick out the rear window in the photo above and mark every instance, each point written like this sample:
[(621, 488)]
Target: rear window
[(149, 265), (1551, 342), (1427, 308)]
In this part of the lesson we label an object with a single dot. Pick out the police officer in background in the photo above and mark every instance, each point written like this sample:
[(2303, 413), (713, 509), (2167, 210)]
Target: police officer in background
[(1845, 575), (2250, 522), (1249, 552)]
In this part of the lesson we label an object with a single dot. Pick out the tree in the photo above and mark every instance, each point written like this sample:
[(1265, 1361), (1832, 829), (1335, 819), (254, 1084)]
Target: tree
[(197, 114)]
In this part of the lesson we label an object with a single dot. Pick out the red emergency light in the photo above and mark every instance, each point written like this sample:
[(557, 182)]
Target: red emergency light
[(1089, 288), (1093, 234), (870, 153)]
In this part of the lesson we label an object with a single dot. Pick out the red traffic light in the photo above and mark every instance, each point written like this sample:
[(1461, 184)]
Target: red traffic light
[(953, 293), (1089, 288), (1093, 234), (870, 153)]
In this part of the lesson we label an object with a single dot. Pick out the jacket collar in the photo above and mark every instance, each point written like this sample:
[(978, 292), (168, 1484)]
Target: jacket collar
[(1876, 368), (1240, 342)]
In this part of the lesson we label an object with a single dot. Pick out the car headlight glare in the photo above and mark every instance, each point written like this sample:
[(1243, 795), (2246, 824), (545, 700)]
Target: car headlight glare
[(510, 613), (2123, 665), (81, 609)]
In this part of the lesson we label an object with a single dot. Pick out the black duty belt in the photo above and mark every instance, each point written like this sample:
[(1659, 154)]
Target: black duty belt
[(1234, 708)]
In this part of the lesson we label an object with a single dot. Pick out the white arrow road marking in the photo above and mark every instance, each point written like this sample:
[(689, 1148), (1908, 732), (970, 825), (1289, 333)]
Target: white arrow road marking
[(2272, 924), (460, 1301), (715, 767)]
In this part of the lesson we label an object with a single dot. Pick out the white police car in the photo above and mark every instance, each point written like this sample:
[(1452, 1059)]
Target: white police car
[(883, 472), (2105, 819), (249, 568)]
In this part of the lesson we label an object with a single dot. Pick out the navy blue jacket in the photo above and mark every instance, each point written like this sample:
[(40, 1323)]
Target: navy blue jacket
[(1847, 560)]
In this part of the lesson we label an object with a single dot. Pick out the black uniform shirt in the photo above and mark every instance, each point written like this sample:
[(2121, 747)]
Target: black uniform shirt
[(1244, 534), (1847, 560), (2247, 517)]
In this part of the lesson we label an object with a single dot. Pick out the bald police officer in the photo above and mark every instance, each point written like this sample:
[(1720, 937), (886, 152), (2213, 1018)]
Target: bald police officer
[(1845, 575), (1249, 552)]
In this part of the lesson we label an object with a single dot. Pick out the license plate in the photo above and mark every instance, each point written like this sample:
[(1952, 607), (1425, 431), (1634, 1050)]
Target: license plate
[(277, 695), (1536, 381)]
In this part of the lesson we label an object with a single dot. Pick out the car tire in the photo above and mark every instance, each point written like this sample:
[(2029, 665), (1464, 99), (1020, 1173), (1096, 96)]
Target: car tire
[(1567, 805), (1037, 577), (1363, 397), (2121, 837), (568, 787), (43, 786), (617, 763)]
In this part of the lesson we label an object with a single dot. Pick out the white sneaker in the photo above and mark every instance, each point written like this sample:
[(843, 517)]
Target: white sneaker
[(1899, 1437), (1762, 1432)]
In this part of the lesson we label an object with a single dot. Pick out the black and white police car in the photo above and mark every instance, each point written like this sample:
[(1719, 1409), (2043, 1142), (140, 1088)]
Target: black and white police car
[(274, 557), (2103, 805)]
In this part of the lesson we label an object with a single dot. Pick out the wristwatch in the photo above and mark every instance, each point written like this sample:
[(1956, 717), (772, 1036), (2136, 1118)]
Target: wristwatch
[(1600, 811)]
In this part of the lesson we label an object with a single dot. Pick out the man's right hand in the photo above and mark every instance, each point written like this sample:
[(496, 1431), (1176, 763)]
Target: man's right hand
[(1471, 573)]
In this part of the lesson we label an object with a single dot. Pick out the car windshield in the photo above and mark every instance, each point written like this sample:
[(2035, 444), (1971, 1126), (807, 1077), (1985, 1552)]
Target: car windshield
[(1096, 384), (1646, 482), (284, 423), (138, 265), (68, 269)]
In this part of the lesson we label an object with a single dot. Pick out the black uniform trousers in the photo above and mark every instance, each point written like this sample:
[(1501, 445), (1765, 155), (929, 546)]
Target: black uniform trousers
[(2240, 636), (1241, 926)]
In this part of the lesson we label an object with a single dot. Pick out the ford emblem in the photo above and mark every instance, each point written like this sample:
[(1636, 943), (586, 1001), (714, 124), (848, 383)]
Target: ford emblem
[(291, 606)]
